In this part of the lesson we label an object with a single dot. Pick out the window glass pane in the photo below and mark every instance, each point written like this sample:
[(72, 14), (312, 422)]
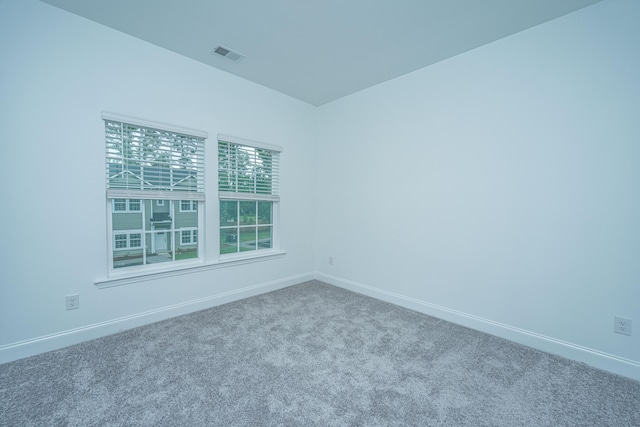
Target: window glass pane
[(127, 258), (228, 240), (188, 247), (120, 205), (188, 205), (166, 234), (159, 247), (158, 215), (264, 212), (228, 213), (245, 234), (247, 213), (186, 218), (135, 240), (265, 237), (121, 241), (247, 239), (121, 219)]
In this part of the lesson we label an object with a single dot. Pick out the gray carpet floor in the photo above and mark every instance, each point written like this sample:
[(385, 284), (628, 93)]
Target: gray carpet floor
[(311, 354)]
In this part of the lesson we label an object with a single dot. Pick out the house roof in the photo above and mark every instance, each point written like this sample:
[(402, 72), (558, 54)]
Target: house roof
[(150, 177)]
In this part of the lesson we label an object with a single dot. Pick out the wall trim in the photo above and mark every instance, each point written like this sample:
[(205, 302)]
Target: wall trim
[(42, 344), (595, 358)]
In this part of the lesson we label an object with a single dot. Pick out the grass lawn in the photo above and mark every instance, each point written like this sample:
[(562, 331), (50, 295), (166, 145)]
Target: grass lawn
[(186, 254)]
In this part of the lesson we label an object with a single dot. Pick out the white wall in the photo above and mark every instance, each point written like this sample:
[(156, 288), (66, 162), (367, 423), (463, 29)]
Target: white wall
[(500, 188), (57, 73)]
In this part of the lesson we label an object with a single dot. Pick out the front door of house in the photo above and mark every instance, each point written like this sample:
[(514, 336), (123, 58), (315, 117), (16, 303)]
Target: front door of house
[(161, 242)]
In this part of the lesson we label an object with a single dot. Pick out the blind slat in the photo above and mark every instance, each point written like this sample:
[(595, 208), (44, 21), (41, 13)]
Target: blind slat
[(119, 193), (144, 158), (247, 169), (228, 195)]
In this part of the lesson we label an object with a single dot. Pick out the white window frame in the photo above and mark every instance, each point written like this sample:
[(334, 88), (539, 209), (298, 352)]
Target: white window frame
[(213, 261), (197, 197), (274, 197)]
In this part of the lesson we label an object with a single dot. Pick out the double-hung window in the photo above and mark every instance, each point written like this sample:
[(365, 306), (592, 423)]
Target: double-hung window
[(155, 193), (248, 188)]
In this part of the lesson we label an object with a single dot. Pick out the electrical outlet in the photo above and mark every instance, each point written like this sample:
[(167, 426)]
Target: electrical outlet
[(622, 325), (73, 302), (330, 260)]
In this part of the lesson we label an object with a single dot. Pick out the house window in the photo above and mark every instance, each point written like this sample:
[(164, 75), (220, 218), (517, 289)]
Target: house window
[(127, 240), (248, 188), (188, 237), (153, 170), (126, 205), (135, 240), (121, 241), (188, 206), (119, 205)]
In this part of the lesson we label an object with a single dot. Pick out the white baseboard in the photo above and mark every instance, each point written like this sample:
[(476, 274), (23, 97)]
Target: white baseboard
[(598, 359), (31, 347)]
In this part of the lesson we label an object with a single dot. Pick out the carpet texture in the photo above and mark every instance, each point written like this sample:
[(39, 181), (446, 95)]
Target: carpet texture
[(311, 354)]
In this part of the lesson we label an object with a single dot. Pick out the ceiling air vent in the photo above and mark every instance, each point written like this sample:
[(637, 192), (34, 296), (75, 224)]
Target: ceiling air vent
[(227, 53)]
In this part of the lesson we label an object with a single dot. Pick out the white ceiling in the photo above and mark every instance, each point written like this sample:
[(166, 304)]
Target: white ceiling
[(319, 51)]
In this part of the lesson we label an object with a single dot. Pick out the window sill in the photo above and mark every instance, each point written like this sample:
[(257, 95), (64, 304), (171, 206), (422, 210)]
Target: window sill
[(224, 261)]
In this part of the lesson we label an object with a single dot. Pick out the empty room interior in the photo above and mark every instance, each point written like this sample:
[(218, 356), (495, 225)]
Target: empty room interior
[(473, 164)]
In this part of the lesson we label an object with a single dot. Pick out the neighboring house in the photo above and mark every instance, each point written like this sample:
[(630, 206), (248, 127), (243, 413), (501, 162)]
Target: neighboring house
[(156, 230)]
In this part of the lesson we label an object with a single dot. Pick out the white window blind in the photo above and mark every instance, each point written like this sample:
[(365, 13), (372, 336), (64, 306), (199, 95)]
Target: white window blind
[(145, 161), (248, 170)]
